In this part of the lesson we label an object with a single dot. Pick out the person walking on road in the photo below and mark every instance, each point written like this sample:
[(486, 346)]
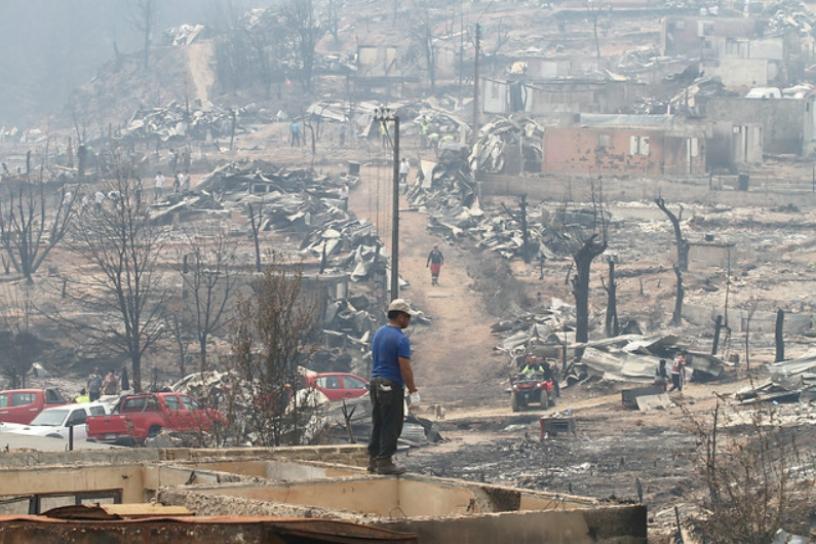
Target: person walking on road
[(391, 373), (435, 261)]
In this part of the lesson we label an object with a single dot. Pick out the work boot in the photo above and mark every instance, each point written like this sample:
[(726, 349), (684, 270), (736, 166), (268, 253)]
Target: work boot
[(386, 466), (372, 464)]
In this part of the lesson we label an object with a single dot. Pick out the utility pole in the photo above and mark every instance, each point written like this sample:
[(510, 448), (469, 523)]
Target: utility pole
[(476, 83), (384, 115), (525, 233)]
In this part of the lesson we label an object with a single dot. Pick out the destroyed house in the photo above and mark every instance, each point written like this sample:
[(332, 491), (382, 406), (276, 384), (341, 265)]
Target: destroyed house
[(788, 124), (561, 95), (638, 145), (323, 486), (377, 62), (704, 36)]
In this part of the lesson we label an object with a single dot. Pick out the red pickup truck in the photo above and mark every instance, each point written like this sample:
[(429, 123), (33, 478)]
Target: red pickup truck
[(23, 405), (137, 417)]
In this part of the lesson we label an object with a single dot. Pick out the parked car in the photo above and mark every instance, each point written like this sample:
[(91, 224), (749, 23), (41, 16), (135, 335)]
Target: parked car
[(54, 422), (138, 417), (23, 405), (339, 385)]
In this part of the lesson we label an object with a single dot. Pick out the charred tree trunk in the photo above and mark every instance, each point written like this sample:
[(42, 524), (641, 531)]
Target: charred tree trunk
[(678, 297), (717, 329), (611, 325), (778, 336), (680, 242), (583, 258), (255, 225)]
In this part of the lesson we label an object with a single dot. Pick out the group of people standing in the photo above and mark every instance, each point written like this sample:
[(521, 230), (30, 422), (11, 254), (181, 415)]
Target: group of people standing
[(677, 373), (97, 385), (181, 183)]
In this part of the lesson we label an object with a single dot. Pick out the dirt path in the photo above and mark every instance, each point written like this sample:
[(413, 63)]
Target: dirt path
[(454, 358), (200, 55)]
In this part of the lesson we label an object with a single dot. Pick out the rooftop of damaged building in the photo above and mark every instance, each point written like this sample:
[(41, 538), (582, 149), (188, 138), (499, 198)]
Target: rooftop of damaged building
[(239, 495)]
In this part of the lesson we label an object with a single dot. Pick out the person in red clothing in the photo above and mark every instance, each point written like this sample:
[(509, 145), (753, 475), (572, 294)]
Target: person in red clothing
[(435, 261)]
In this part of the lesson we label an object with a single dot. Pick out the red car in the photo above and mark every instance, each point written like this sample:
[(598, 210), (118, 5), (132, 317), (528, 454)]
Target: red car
[(138, 417), (23, 405), (339, 385)]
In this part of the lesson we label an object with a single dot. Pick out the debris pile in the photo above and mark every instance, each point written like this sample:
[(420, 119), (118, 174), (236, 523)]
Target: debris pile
[(438, 127), (793, 380), (790, 15), (633, 359), (508, 145), (175, 121)]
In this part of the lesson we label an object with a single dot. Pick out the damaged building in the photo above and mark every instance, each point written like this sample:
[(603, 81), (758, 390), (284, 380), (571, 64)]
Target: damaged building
[(317, 487)]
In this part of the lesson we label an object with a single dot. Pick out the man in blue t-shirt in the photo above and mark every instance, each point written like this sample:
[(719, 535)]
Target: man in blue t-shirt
[(390, 374)]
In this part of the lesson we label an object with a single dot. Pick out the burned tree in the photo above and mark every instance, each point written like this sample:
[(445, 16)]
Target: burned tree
[(301, 19), (754, 482), (424, 37), (583, 257), (594, 11), (611, 324), (208, 287), (779, 339), (19, 346), (680, 242), (270, 333), (255, 214), (143, 19), (679, 293), (122, 296), (29, 230)]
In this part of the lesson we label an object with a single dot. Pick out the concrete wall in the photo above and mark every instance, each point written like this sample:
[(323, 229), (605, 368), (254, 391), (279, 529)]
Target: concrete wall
[(579, 189), (682, 35), (737, 73), (128, 479), (704, 255), (620, 150), (783, 120), (621, 526)]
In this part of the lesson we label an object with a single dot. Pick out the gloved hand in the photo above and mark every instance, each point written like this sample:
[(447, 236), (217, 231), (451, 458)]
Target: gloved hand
[(413, 399)]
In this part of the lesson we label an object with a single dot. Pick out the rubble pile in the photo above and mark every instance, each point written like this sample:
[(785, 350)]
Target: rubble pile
[(793, 380), (790, 14), (505, 142), (633, 358), (314, 208), (628, 358), (175, 121), (439, 126), (544, 333), (178, 206), (454, 213)]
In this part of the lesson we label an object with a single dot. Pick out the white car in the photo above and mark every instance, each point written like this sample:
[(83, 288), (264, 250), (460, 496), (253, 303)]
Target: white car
[(54, 422)]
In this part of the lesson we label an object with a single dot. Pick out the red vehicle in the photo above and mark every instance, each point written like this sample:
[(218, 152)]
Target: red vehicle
[(339, 385), (524, 391), (137, 417), (23, 405)]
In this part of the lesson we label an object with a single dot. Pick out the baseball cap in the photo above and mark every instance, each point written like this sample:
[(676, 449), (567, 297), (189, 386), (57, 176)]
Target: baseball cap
[(400, 305)]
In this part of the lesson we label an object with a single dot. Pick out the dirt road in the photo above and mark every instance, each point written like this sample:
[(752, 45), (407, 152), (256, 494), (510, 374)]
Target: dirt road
[(454, 358), (200, 57)]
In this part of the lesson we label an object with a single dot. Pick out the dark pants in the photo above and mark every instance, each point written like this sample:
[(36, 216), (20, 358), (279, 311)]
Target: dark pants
[(94, 395), (387, 414), (676, 382)]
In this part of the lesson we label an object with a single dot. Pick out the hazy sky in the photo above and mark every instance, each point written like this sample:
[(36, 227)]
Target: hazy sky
[(48, 47)]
